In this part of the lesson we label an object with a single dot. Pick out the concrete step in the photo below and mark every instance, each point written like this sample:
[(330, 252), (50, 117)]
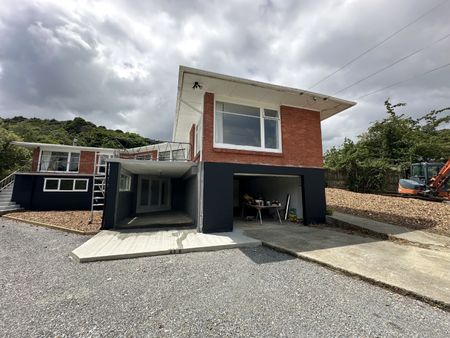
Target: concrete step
[(7, 203), (5, 211), (9, 207), (6, 189)]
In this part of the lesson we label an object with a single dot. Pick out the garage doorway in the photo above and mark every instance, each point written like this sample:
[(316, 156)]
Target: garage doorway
[(268, 188)]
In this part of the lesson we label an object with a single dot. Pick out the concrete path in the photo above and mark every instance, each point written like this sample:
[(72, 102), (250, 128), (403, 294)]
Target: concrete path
[(421, 272), (385, 230), (109, 244)]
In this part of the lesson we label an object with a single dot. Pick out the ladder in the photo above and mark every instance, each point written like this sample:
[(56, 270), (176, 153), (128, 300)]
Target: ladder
[(98, 186)]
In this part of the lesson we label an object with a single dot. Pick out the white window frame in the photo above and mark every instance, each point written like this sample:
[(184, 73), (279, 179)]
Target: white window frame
[(65, 179), (261, 123), (128, 187), (198, 138), (99, 165), (68, 161)]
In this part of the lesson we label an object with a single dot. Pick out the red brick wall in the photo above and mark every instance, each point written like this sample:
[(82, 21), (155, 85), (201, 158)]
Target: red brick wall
[(87, 159), (35, 159), (301, 140), (192, 142), (152, 153)]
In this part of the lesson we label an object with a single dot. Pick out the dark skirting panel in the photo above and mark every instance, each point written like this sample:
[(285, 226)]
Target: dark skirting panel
[(29, 192), (218, 192)]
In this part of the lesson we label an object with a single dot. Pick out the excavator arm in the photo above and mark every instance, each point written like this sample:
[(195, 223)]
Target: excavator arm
[(437, 182)]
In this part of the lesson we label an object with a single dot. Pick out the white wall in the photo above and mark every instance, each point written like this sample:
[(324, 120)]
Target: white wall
[(274, 188)]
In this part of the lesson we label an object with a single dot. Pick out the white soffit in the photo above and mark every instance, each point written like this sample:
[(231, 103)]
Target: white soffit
[(190, 101), (155, 168)]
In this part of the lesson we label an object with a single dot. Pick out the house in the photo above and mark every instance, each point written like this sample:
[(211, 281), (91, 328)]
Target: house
[(231, 137)]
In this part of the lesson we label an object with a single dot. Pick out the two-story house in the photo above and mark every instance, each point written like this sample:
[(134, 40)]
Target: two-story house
[(232, 138), (245, 137)]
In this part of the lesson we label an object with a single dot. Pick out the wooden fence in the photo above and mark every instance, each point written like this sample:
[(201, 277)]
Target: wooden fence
[(337, 179)]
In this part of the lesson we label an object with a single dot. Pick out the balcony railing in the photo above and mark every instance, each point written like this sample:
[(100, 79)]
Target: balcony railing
[(166, 151)]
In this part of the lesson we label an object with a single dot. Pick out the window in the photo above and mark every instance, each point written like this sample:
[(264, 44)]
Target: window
[(246, 127), (125, 182), (164, 155), (433, 170), (271, 129), (197, 140), (65, 184), (59, 161), (178, 155), (101, 162), (144, 157), (417, 171)]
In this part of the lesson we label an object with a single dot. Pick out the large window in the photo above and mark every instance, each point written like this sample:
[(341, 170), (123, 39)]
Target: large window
[(246, 127), (59, 161), (65, 184)]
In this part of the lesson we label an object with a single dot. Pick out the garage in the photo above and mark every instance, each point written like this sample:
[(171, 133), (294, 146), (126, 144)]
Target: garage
[(267, 198), (224, 184)]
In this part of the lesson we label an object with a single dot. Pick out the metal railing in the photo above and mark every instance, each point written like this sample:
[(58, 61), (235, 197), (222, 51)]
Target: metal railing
[(8, 180), (166, 151)]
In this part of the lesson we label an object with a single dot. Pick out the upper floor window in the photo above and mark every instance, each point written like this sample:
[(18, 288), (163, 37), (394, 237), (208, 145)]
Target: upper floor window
[(246, 127), (59, 161)]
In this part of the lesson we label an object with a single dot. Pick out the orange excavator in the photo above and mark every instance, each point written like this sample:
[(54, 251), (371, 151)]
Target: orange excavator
[(428, 180)]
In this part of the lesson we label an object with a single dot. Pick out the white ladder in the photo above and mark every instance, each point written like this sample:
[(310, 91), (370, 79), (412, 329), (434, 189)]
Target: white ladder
[(98, 186)]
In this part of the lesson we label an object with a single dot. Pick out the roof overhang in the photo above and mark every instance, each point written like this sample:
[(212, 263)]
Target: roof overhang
[(61, 147), (155, 168), (189, 104)]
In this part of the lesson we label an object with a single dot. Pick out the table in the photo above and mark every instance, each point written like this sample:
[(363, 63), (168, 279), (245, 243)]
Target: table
[(260, 207)]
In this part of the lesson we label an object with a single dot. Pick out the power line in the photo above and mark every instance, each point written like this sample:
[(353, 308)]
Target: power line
[(392, 64), (378, 44), (407, 80)]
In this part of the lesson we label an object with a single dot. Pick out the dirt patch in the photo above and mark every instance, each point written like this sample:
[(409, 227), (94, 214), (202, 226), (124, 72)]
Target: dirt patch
[(72, 220), (407, 212)]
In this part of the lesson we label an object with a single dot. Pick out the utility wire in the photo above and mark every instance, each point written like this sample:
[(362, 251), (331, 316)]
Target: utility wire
[(378, 44), (407, 80), (392, 64)]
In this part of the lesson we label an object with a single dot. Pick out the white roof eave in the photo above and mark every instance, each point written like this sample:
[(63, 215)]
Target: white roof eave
[(334, 105)]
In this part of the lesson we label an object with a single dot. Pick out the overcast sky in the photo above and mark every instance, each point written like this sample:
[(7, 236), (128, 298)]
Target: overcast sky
[(116, 62)]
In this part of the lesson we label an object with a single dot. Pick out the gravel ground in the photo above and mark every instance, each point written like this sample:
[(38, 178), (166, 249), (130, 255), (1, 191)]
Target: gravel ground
[(409, 212), (75, 220), (235, 293)]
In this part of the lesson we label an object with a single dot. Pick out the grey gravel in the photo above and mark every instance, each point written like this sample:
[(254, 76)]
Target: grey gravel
[(234, 293)]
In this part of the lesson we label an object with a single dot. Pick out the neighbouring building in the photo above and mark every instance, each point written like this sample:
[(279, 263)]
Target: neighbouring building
[(231, 137)]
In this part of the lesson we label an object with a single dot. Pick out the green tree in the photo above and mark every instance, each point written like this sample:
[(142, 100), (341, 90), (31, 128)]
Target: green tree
[(11, 157), (394, 142)]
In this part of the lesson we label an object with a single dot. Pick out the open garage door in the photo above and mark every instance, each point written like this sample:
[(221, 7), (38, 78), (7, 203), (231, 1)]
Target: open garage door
[(269, 189)]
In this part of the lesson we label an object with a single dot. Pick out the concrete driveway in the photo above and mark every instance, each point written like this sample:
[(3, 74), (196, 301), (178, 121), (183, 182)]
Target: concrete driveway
[(420, 272)]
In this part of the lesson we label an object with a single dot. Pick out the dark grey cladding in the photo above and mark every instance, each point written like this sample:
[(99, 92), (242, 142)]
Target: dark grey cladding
[(218, 192)]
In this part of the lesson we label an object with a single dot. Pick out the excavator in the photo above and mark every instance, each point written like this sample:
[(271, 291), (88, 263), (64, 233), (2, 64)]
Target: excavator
[(428, 180)]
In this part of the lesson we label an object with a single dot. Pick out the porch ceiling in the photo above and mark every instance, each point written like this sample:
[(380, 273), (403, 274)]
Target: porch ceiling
[(155, 168)]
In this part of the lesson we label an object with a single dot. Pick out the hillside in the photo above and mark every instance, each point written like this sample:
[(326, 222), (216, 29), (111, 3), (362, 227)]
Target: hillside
[(64, 132)]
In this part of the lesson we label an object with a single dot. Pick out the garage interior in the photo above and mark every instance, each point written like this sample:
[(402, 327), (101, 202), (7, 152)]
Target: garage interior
[(268, 188)]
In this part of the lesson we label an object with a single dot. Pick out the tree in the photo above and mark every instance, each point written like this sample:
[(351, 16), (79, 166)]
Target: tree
[(394, 142), (11, 157)]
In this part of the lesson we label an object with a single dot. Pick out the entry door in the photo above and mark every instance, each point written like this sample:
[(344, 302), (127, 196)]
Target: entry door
[(153, 194)]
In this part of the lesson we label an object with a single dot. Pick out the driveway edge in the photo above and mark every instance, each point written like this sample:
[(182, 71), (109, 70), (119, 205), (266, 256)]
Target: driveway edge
[(442, 305)]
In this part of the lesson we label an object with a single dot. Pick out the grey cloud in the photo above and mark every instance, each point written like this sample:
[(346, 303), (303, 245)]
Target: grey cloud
[(116, 62)]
